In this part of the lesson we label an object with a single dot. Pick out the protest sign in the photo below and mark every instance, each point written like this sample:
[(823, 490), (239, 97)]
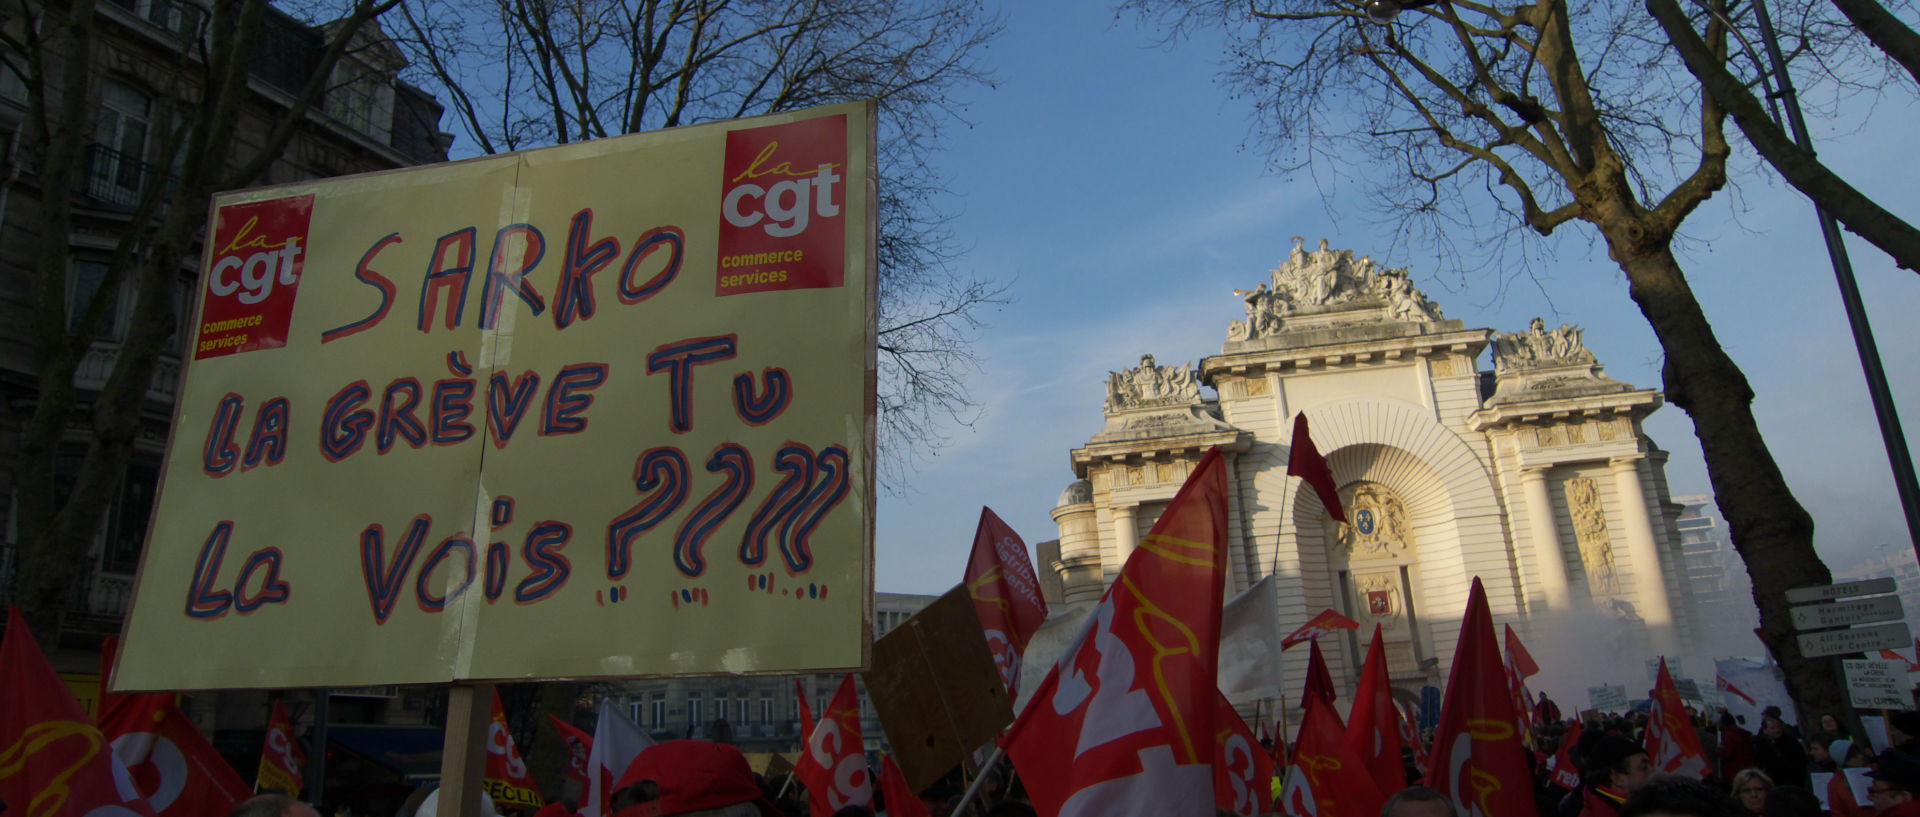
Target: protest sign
[(937, 689), (596, 410), (1608, 697)]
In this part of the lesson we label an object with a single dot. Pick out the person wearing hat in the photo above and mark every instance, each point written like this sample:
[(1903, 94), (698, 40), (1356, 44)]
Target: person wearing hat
[(1616, 768), (695, 778), (1896, 782)]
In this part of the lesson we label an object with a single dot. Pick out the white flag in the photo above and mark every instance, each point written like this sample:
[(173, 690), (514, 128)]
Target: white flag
[(616, 742)]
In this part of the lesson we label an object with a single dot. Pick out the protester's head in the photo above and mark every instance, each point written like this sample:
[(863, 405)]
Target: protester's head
[(693, 777), (1618, 764), (1773, 727), (1671, 795), (1417, 801), (1751, 787), (1830, 724), (273, 805), (1896, 780), (1817, 750)]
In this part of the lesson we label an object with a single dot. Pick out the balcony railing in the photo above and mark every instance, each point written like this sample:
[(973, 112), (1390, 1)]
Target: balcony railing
[(97, 366), (117, 180), (104, 596)]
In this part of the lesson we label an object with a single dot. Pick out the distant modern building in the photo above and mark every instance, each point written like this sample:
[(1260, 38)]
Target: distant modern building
[(757, 713), (1537, 477), (1722, 593)]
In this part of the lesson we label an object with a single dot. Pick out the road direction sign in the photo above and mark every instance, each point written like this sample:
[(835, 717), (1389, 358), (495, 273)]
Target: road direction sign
[(1847, 613), (1865, 587), (1857, 639), (1877, 684)]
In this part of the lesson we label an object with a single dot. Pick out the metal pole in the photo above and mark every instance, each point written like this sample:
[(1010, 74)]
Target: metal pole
[(986, 769), (317, 763), (1898, 456)]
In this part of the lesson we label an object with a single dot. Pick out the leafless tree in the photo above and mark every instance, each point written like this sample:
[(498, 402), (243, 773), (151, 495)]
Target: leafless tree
[(203, 94), (1499, 121), (525, 73)]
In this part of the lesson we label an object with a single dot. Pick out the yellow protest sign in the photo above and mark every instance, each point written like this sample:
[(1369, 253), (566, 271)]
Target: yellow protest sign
[(596, 410)]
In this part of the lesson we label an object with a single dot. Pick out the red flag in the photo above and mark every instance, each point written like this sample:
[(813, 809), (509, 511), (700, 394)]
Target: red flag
[(806, 709), (1323, 624), (1892, 655), (901, 801), (1411, 737), (1518, 657), (172, 765), (1122, 724), (1242, 770), (1560, 770), (506, 779), (1305, 462), (1672, 744), (1374, 728), (53, 761), (616, 742), (1006, 595), (282, 758), (1333, 766), (1319, 680), (579, 748), (1477, 757), (834, 765)]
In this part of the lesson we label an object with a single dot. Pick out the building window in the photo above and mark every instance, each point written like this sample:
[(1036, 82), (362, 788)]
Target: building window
[(127, 519), (126, 118), (361, 98), (659, 711), (720, 707), (83, 287), (766, 709), (742, 710), (633, 711), (696, 709)]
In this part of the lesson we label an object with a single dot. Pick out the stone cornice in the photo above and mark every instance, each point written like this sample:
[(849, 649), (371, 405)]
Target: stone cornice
[(1469, 342), (1637, 404), (1157, 448)]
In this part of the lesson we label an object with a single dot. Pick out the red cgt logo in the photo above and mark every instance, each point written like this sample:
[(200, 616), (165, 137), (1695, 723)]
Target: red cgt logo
[(782, 218), (259, 252)]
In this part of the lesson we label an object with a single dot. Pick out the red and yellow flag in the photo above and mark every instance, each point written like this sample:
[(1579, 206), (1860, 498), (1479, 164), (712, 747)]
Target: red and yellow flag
[(1374, 729), (1242, 769), (1333, 766), (170, 763), (53, 761), (506, 779), (1005, 593), (1478, 759), (1672, 744), (282, 757), (1124, 723), (834, 763)]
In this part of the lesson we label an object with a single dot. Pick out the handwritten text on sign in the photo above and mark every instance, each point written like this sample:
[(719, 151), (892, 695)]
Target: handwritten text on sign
[(498, 431)]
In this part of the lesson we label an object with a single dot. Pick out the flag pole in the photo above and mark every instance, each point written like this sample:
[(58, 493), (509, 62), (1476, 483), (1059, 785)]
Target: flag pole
[(979, 779)]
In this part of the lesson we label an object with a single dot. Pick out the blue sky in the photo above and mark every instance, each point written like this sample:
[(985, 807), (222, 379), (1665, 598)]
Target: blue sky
[(1106, 179)]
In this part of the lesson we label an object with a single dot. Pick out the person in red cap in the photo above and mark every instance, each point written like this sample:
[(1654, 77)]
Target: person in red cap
[(695, 778)]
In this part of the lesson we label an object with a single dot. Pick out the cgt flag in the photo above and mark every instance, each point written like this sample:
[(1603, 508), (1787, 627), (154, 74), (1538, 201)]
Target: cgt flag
[(506, 779), (1242, 769), (1478, 759), (1123, 724), (1333, 766), (899, 796), (579, 748), (282, 757), (168, 760), (53, 761), (1006, 595), (834, 764), (1672, 744), (1323, 624)]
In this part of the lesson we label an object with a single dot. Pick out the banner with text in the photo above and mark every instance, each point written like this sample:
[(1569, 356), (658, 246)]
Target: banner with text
[(596, 410)]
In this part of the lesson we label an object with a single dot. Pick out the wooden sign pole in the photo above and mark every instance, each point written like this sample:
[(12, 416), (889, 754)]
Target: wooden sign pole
[(463, 758)]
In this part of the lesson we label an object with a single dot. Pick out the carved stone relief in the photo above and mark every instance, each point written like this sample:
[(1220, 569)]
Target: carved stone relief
[(1312, 281), (1380, 600), (1590, 530), (1444, 367), (1576, 434), (1377, 526), (1149, 385), (1169, 472), (1545, 437), (1540, 346), (1136, 475), (1255, 386)]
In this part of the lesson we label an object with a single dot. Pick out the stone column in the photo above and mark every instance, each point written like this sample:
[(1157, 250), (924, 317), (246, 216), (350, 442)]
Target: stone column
[(1648, 576), (1126, 536), (1545, 532)]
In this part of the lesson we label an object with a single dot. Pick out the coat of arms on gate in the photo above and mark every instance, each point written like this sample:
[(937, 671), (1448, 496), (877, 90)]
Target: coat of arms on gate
[(1380, 602)]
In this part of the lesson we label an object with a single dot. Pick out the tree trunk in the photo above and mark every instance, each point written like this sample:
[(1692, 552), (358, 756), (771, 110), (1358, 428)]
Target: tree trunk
[(1772, 532)]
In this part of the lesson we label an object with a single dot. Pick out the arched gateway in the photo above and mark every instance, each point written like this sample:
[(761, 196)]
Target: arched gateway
[(1535, 476)]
